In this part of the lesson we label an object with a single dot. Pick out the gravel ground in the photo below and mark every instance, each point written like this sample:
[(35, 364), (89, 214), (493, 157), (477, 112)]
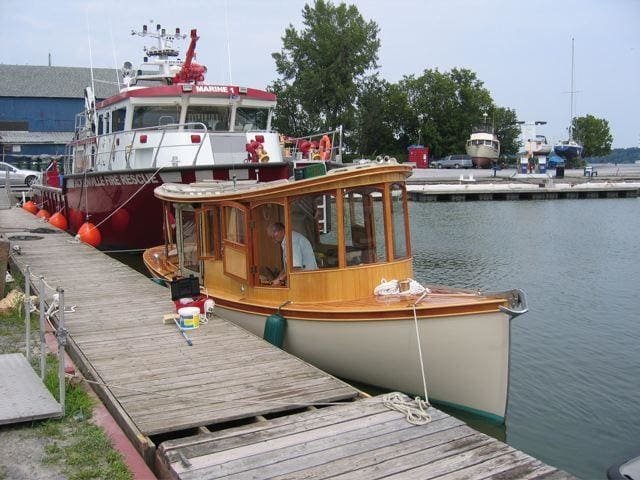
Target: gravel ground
[(21, 453)]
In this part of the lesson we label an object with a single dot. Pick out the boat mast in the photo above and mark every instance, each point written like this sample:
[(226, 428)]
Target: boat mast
[(571, 91)]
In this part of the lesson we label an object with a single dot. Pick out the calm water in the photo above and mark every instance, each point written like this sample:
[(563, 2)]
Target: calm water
[(575, 375)]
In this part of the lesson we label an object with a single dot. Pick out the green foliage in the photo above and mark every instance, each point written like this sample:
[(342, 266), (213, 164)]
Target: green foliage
[(593, 134), (80, 447), (445, 106), (87, 455), (321, 68), (327, 78), (382, 119), (507, 130)]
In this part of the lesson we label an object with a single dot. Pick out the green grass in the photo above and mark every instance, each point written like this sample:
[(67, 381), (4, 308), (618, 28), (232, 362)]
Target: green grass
[(79, 448)]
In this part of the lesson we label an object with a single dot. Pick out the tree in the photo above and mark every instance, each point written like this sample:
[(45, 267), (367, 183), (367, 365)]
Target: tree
[(321, 68), (446, 106), (382, 119), (507, 130), (594, 135)]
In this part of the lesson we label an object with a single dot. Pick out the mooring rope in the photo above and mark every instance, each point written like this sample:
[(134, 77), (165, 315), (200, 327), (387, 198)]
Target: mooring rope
[(415, 411), (131, 197)]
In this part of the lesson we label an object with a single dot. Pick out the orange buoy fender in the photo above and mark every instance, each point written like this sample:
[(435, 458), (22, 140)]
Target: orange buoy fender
[(43, 214), (59, 220), (89, 234), (30, 207)]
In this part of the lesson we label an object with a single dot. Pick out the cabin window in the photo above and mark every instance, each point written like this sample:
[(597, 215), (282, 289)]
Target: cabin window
[(117, 120), (251, 119), (267, 254), (214, 118), (210, 233), (101, 124), (188, 240), (314, 217), (399, 221), (155, 115), (235, 248), (364, 226)]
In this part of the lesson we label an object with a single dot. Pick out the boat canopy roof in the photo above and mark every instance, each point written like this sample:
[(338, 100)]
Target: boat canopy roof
[(218, 191), (231, 92)]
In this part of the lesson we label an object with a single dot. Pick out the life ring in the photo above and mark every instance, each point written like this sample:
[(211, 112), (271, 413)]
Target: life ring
[(325, 147)]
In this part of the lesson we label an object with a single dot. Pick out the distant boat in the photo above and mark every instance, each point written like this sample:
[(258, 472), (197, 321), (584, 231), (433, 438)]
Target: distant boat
[(569, 149), (537, 145), (483, 145)]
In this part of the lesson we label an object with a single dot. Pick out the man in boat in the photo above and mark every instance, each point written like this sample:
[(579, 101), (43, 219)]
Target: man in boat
[(302, 252)]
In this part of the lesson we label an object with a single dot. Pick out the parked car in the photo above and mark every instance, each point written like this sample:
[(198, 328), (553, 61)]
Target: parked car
[(18, 176), (453, 161)]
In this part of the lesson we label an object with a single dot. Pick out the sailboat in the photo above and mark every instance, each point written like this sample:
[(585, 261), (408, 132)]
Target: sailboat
[(569, 149)]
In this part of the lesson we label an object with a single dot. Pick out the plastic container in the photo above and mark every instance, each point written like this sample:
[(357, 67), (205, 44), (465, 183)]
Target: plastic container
[(189, 318)]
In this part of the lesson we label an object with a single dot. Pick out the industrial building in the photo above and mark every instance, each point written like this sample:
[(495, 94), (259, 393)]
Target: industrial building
[(38, 108)]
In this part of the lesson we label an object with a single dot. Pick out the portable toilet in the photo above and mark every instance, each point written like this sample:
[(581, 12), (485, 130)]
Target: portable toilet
[(419, 154)]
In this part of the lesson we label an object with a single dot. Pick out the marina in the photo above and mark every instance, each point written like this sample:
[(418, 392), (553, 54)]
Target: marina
[(176, 402), (241, 281)]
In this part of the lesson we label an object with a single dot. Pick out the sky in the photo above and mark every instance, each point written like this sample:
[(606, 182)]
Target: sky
[(519, 49)]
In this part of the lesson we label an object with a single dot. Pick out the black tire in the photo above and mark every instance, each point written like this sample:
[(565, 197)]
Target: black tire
[(439, 166), (30, 180), (456, 166)]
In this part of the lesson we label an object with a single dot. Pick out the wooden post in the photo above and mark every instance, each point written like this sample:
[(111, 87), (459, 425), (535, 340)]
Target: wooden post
[(4, 257)]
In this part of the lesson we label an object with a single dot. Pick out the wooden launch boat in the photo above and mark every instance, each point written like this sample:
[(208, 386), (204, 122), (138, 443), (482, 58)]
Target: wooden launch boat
[(356, 313)]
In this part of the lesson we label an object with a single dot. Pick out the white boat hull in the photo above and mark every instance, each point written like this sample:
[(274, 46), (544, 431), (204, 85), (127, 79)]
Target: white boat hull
[(466, 357)]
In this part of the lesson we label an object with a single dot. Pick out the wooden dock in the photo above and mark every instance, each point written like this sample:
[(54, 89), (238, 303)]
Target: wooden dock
[(363, 440), (232, 404), (544, 189)]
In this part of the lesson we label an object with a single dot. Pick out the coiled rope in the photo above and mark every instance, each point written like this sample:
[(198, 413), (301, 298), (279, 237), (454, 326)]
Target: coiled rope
[(392, 287), (415, 411)]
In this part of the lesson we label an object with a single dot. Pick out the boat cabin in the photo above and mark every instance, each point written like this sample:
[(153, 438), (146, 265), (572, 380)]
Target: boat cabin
[(166, 115), (354, 220), (175, 125)]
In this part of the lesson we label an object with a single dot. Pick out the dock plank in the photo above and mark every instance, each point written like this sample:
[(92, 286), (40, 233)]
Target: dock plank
[(159, 387), (117, 335), (361, 440)]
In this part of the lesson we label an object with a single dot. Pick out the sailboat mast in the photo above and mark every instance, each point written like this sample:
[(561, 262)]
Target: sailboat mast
[(572, 91)]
